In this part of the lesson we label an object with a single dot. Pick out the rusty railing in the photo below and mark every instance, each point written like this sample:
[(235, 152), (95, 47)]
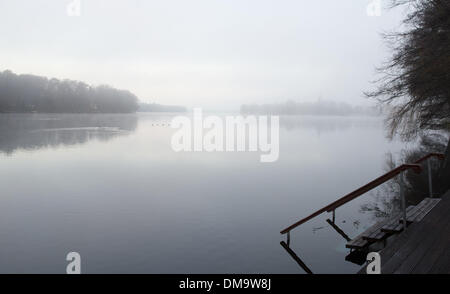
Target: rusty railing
[(378, 181)]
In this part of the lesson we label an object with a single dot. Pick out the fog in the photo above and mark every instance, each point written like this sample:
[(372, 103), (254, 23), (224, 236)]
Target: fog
[(37, 131), (110, 187), (211, 53)]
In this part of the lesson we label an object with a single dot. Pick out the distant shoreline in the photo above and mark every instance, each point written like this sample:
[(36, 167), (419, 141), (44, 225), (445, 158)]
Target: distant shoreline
[(136, 112), (28, 93)]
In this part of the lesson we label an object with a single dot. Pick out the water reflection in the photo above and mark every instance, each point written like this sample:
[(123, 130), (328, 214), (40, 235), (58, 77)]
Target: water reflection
[(295, 257), (357, 257), (37, 131), (338, 230), (133, 205), (386, 200), (327, 124)]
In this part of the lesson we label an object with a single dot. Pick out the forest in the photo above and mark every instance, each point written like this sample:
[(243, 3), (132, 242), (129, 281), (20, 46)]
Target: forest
[(28, 93)]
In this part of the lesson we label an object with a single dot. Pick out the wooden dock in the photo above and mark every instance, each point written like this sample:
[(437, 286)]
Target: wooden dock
[(393, 225), (425, 246)]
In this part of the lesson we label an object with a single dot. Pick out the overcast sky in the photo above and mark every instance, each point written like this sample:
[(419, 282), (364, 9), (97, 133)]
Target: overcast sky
[(210, 53)]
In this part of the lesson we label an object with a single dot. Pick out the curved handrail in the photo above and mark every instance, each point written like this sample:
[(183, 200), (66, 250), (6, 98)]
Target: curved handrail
[(358, 192)]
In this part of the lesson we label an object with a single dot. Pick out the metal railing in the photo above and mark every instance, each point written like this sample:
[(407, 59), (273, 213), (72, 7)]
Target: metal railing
[(378, 181), (430, 182)]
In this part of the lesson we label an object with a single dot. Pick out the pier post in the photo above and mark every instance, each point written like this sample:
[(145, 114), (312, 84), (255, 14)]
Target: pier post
[(430, 183), (403, 200)]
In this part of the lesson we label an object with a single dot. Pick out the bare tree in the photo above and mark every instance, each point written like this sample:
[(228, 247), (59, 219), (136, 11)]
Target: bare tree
[(415, 82)]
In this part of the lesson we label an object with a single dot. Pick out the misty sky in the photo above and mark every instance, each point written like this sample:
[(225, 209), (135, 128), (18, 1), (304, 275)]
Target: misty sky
[(210, 53)]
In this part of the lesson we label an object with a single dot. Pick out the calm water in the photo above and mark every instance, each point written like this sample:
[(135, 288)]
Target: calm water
[(111, 188)]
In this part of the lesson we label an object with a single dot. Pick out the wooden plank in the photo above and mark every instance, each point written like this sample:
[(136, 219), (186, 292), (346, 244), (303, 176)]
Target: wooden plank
[(394, 226), (360, 241), (434, 261), (417, 253), (424, 212), (417, 209), (376, 232), (376, 236), (434, 253), (420, 210), (442, 265), (413, 214), (414, 211), (357, 244), (411, 239)]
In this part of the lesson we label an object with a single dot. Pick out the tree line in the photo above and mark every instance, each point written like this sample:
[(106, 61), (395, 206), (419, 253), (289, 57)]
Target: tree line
[(30, 93), (320, 107), (153, 107)]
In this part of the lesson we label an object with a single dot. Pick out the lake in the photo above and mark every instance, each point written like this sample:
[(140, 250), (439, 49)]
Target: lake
[(111, 188)]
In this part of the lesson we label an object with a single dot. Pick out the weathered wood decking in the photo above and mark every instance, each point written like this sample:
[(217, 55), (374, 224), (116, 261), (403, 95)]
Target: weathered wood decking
[(385, 228), (424, 247)]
